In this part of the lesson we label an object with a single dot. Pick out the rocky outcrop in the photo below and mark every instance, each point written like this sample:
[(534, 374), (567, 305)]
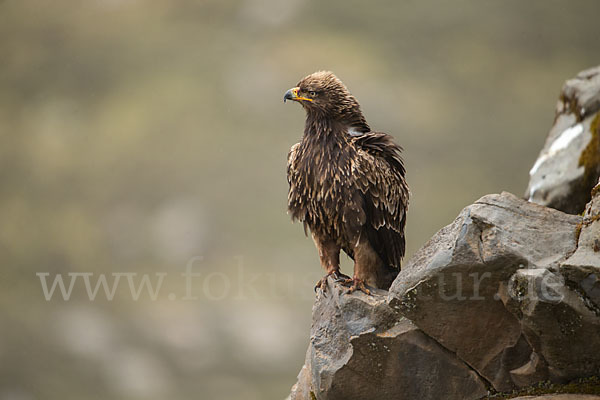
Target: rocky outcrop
[(494, 276), (504, 298), (457, 286), (565, 329), (361, 349), (569, 164)]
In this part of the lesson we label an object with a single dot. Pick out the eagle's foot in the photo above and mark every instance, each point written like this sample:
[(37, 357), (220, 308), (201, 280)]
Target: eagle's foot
[(337, 277), (356, 284)]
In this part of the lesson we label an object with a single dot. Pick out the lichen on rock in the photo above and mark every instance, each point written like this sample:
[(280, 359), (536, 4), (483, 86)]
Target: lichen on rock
[(569, 164)]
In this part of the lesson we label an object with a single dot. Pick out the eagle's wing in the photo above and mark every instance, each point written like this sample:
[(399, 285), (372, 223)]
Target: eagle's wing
[(380, 176), (291, 162), (296, 206)]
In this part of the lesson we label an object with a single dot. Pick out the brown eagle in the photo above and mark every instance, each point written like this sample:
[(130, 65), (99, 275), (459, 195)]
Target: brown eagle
[(347, 185)]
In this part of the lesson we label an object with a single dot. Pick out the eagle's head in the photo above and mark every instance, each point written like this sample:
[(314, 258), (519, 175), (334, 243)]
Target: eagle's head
[(322, 93)]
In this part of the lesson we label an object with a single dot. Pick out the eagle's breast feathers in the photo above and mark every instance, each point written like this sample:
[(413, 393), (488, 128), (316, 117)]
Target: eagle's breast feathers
[(346, 188)]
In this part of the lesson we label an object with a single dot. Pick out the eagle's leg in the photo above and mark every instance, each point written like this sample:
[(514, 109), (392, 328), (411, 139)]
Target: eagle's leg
[(329, 254), (367, 265)]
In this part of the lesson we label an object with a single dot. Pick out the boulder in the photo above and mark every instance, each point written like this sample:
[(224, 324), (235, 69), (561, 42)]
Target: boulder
[(569, 164), (489, 287), (566, 330), (561, 327), (455, 287), (361, 349)]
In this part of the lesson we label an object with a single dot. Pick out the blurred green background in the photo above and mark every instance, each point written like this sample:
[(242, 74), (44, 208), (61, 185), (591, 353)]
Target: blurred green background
[(137, 135)]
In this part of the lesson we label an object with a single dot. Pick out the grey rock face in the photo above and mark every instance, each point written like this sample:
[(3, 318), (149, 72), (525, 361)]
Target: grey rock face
[(569, 164), (562, 328), (361, 349), (490, 288), (582, 269), (454, 288)]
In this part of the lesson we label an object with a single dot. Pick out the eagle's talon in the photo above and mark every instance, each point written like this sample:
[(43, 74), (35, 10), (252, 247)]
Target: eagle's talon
[(337, 277), (356, 284), (322, 284)]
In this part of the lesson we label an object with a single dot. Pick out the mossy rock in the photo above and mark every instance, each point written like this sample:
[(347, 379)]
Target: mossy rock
[(590, 158)]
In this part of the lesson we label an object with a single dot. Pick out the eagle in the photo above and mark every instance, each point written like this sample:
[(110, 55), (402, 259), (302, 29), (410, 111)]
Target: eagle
[(347, 185)]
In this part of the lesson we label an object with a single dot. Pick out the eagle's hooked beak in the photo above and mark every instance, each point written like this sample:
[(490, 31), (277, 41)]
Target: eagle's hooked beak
[(292, 94)]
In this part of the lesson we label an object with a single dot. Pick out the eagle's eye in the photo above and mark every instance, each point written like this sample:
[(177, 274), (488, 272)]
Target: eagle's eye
[(312, 93)]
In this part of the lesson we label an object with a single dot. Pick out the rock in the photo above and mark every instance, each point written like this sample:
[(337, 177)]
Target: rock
[(535, 370), (483, 304), (454, 288), (582, 269), (562, 328), (569, 164), (581, 95), (567, 330), (360, 348), (505, 297)]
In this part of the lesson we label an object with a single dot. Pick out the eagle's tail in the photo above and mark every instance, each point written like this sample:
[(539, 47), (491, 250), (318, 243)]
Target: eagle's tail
[(387, 276)]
